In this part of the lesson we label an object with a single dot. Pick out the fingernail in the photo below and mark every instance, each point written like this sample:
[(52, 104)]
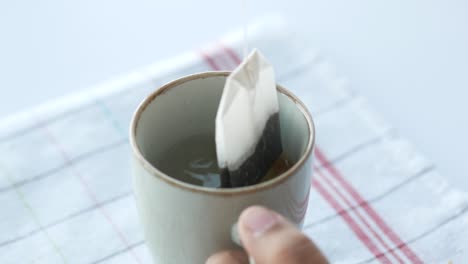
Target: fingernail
[(258, 220)]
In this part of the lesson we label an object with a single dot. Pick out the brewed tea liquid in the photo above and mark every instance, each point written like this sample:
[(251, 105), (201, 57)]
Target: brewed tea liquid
[(193, 160)]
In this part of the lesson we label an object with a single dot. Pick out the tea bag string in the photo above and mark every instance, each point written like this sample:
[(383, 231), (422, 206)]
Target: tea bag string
[(235, 237), (245, 18)]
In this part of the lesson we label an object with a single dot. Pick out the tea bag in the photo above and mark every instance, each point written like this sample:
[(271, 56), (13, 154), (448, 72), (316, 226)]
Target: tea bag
[(248, 138)]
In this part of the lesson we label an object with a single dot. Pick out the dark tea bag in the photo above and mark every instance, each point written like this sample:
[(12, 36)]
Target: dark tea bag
[(248, 138)]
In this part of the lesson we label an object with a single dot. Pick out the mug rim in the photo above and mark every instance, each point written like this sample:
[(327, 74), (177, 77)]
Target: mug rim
[(209, 190)]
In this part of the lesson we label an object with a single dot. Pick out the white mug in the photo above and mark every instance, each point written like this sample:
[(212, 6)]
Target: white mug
[(185, 223)]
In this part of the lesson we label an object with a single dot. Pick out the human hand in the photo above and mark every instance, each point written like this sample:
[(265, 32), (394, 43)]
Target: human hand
[(268, 238)]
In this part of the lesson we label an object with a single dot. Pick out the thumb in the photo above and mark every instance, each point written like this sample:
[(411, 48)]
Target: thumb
[(269, 238)]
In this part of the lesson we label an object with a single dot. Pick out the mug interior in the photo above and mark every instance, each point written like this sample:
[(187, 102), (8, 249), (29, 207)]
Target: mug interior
[(187, 107)]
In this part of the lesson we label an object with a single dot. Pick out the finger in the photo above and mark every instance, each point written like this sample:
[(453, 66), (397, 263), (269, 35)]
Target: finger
[(269, 238), (228, 257)]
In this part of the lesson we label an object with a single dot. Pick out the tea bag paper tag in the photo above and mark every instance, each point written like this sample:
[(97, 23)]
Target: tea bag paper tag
[(248, 104)]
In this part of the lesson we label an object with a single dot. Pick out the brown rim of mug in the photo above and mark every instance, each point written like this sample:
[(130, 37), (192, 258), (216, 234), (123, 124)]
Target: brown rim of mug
[(208, 190)]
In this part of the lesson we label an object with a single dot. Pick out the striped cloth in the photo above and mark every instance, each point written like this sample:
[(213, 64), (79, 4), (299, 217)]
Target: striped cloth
[(65, 189)]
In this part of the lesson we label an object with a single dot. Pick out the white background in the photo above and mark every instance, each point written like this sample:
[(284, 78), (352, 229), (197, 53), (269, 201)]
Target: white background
[(410, 58)]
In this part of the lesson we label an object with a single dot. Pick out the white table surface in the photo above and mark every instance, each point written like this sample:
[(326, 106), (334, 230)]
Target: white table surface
[(410, 58)]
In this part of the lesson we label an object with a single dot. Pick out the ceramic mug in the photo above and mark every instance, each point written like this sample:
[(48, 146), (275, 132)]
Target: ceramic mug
[(185, 223)]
